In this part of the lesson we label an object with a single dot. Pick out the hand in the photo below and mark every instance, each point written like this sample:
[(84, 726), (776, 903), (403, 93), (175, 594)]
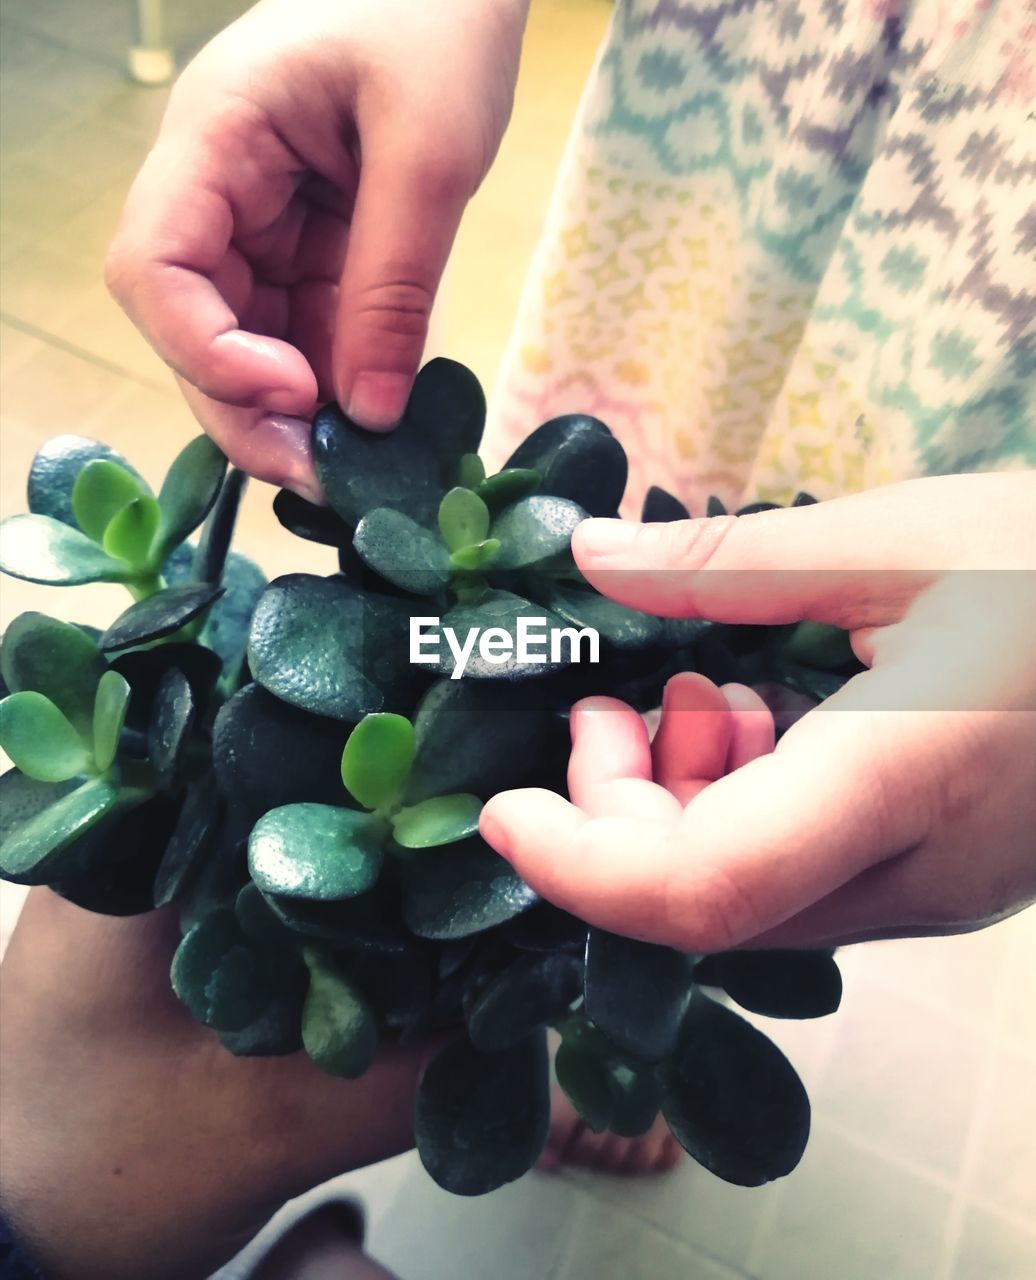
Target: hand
[(135, 1146), (905, 805), (284, 240)]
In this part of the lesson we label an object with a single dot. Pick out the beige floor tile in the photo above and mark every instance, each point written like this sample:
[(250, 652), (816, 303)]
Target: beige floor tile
[(98, 326), (610, 1245), (992, 1249), (43, 284), (1004, 1169)]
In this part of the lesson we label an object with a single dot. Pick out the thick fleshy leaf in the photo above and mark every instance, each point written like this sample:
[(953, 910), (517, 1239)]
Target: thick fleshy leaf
[(479, 556), (398, 986), (533, 991), (110, 706), (464, 889), (188, 492), (636, 993), (315, 851), (577, 457), (214, 543), (377, 758), (40, 739), (753, 508), (617, 626), (101, 490), (307, 520), (361, 470), (781, 984), (145, 669), (216, 973), (447, 408), (471, 471), (39, 820), (503, 610), (611, 1093), (230, 617), (172, 718), (732, 1099), (508, 486), (39, 548), (159, 615), (463, 519), (481, 1119), (535, 529), (547, 928), (815, 644), (369, 922), (189, 844), (660, 507), (436, 821), (803, 499), (130, 534), (223, 872), (55, 469), (322, 645), (338, 1028), (267, 753), (715, 507), (54, 658), (402, 551), (474, 736)]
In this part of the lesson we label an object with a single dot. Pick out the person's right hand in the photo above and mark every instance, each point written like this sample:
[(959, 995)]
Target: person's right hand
[(284, 240)]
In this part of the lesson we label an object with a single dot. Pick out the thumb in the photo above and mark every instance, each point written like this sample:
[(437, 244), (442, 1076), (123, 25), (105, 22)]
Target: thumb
[(408, 209), (854, 562)]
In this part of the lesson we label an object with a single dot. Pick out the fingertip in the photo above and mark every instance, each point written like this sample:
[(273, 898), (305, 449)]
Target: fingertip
[(376, 401), (597, 539)]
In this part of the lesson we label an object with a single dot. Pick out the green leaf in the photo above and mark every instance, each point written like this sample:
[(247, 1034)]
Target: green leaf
[(172, 718), (478, 556), (448, 409), (377, 758), (216, 973), (463, 519), (611, 1093), (481, 1120), (315, 851), (660, 507), (533, 991), (40, 739), (402, 551), (440, 820), (534, 530), (577, 457), (112, 701), (188, 846), (191, 486), (781, 984), (732, 1099), (508, 486), (230, 616), (715, 507), (39, 548), (815, 644), (38, 821), (307, 520), (465, 889), (42, 655), (159, 615), (338, 1028), (618, 626), (131, 532), (636, 993), (210, 558), (471, 471), (100, 491), (55, 469), (504, 610)]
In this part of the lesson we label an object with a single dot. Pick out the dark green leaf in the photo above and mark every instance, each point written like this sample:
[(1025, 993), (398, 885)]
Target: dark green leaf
[(369, 922), (258, 920), (464, 889), (113, 695), (504, 610), (40, 739), (216, 973), (715, 507), (39, 820), (214, 543), (610, 1093), (753, 508), (533, 991), (636, 993), (188, 492), (815, 644), (481, 1119), (145, 669), (803, 500), (100, 491), (54, 658), (338, 1028), (732, 1099), (508, 486), (617, 626), (577, 457), (463, 519), (307, 520), (130, 534), (223, 872), (377, 758), (447, 409), (54, 471), (315, 851), (398, 986), (437, 821), (534, 530), (277, 1032), (159, 615), (189, 844), (226, 628), (781, 984), (172, 718), (42, 549), (547, 928), (403, 551), (476, 557), (660, 507)]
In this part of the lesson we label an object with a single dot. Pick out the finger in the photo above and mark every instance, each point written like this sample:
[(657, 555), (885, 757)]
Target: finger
[(752, 728), (408, 209), (176, 229), (693, 739), (609, 771)]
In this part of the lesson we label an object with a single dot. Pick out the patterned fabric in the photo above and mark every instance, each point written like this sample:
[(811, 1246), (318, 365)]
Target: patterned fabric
[(793, 246)]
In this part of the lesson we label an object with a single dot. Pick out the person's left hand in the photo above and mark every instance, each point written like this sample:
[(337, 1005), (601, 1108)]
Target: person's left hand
[(905, 805)]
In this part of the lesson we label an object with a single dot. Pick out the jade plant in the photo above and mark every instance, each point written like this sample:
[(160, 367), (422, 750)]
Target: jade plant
[(265, 760)]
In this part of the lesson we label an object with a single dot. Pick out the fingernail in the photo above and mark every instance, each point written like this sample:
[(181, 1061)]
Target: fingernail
[(493, 833), (377, 400), (606, 537)]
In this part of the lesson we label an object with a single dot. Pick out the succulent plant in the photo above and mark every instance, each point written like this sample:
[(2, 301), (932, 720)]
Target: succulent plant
[(267, 761)]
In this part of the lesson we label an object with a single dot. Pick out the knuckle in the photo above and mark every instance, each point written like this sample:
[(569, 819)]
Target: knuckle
[(688, 544), (399, 305), (120, 270)]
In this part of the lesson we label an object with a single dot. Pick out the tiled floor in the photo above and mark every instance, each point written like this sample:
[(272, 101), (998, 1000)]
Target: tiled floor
[(923, 1161)]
